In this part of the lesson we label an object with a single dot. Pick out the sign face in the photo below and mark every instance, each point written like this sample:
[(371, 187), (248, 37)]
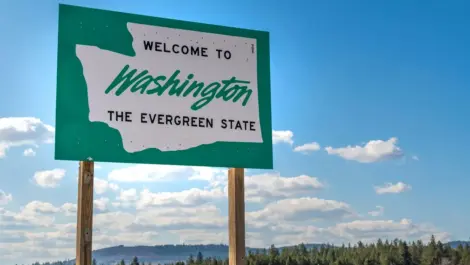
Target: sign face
[(138, 89)]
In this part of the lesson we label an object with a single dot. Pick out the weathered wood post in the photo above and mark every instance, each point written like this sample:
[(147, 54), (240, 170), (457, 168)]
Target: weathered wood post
[(85, 213), (236, 216)]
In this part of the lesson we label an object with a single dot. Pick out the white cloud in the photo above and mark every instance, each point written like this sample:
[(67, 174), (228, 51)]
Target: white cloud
[(26, 247), (392, 188), (149, 173), (283, 137), (33, 215), (415, 158), (191, 197), (157, 173), (29, 152), (101, 204), (23, 220), (35, 233), (215, 176), (303, 209), (5, 198), (198, 236), (49, 178), (126, 198), (20, 131), (112, 221), (370, 230), (39, 207), (373, 151), (259, 188), (177, 218), (306, 148), (367, 231), (69, 209), (378, 212), (101, 186)]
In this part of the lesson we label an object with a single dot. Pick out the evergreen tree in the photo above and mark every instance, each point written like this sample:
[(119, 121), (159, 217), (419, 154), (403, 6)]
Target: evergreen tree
[(135, 261), (302, 249), (395, 252), (273, 251), (430, 253), (190, 259), (288, 261), (199, 258), (405, 254)]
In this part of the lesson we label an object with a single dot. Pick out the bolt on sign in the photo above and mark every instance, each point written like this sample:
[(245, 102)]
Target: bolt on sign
[(139, 89)]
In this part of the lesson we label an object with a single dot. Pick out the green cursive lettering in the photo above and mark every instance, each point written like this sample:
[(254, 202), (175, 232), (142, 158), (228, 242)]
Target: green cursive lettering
[(231, 89)]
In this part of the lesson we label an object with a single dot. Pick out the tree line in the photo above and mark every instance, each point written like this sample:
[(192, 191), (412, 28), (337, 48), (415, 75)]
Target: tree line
[(395, 252)]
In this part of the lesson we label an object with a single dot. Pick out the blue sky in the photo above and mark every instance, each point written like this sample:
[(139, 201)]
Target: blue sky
[(343, 74)]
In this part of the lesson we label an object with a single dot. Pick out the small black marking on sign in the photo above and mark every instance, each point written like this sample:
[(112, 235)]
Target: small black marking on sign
[(252, 48)]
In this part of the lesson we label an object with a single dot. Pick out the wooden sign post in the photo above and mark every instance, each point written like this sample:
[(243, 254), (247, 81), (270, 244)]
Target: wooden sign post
[(85, 213), (236, 216)]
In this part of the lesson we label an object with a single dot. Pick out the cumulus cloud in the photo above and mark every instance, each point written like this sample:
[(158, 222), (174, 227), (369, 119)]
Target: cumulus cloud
[(191, 197), (370, 230), (29, 152), (367, 231), (126, 198), (158, 173), (392, 188), (5, 198), (69, 209), (373, 151), (21, 131), (283, 137), (303, 209), (149, 173), (258, 188), (215, 176), (281, 211), (38, 207), (269, 186), (101, 186), (27, 247), (33, 215), (49, 178), (415, 157), (178, 219), (378, 212), (307, 148), (101, 204)]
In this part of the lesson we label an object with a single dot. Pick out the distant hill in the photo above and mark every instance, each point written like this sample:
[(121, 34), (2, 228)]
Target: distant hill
[(171, 253), (165, 253), (454, 244)]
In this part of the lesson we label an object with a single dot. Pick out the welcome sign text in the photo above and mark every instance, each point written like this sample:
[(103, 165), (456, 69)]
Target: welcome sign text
[(182, 89)]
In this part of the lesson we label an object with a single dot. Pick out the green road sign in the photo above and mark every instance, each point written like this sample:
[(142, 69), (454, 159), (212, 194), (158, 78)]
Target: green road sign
[(139, 89)]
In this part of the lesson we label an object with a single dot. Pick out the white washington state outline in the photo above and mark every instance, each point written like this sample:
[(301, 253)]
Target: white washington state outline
[(101, 67)]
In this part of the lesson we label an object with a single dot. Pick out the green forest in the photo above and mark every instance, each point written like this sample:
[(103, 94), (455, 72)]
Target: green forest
[(396, 252)]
